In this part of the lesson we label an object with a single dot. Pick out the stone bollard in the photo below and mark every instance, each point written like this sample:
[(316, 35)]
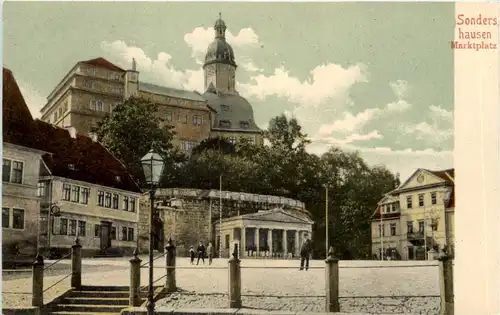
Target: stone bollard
[(37, 289), (332, 282), (170, 284), (446, 283), (76, 265), (234, 280), (135, 280)]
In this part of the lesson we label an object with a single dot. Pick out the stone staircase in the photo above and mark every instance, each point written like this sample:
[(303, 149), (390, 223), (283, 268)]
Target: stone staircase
[(97, 300)]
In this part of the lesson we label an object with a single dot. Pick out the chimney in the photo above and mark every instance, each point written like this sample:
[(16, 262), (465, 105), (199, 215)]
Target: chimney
[(93, 136), (71, 131)]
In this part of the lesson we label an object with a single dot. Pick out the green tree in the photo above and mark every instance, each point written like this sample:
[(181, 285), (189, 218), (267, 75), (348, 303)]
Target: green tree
[(132, 129)]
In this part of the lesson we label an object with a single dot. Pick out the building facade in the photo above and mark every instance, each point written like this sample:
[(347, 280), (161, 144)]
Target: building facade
[(94, 87), (20, 173), (86, 193), (416, 220)]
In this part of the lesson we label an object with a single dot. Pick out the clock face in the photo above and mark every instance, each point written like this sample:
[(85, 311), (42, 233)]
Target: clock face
[(420, 178)]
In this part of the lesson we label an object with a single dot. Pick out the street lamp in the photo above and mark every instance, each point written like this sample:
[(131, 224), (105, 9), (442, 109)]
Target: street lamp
[(152, 165), (54, 211)]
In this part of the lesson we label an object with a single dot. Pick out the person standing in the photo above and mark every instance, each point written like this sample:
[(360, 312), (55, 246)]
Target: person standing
[(210, 252), (201, 252), (191, 254), (305, 252)]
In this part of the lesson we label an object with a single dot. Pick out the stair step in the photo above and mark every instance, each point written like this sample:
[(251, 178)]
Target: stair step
[(103, 288), (97, 294), (82, 308), (98, 300)]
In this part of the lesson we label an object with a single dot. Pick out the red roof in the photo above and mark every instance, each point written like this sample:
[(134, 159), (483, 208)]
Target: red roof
[(18, 124), (103, 63), (79, 159), (82, 159)]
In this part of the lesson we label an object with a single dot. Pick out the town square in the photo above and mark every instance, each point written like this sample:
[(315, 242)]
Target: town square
[(235, 161)]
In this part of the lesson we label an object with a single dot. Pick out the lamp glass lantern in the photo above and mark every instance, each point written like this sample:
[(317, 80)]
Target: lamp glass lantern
[(152, 165)]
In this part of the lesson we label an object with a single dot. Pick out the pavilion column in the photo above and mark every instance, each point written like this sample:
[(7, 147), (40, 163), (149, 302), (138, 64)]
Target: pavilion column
[(257, 241), (297, 243), (285, 243), (270, 241), (243, 241)]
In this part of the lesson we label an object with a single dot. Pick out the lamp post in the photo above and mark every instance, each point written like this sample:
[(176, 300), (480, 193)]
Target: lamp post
[(152, 165), (54, 211)]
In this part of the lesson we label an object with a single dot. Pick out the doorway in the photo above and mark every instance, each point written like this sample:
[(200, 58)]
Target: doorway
[(105, 235)]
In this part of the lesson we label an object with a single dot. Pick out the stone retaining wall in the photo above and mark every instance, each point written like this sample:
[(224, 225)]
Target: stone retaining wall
[(165, 311), (188, 215)]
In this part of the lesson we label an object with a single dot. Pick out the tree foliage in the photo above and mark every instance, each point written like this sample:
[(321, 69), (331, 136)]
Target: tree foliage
[(282, 168)]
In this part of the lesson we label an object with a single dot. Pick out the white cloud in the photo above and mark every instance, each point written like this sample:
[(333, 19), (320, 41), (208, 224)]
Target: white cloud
[(161, 67), (250, 67), (400, 88), (404, 162), (32, 97), (438, 131), (325, 82), (354, 137)]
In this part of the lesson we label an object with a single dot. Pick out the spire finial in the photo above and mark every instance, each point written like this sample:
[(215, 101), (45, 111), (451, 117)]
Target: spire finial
[(133, 64), (220, 16)]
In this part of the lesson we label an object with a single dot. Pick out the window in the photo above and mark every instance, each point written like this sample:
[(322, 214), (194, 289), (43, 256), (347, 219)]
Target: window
[(421, 227), (168, 116), (227, 242), (113, 233), (251, 140), (64, 227), (132, 204), (225, 124), (130, 236), (100, 198), (75, 196), (6, 170), (393, 229), (124, 233), (99, 105), (409, 202), (82, 228), (41, 189), (125, 203), (115, 201), (66, 106), (421, 200), (67, 192), (224, 108), (232, 140), (188, 146), (434, 224), (97, 230), (183, 118), (89, 84), (107, 203), (409, 227), (17, 172), (433, 198), (381, 230), (60, 111), (55, 117), (197, 120), (244, 124), (72, 227), (5, 217), (85, 196)]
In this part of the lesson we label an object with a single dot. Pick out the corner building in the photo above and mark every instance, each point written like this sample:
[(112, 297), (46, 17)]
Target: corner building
[(94, 87)]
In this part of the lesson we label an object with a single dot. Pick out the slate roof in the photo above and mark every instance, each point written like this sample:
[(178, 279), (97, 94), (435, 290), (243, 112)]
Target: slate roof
[(277, 214), (176, 93), (103, 63), (238, 110), (18, 125)]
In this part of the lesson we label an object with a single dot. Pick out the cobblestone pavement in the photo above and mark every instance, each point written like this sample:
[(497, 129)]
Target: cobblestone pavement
[(280, 286)]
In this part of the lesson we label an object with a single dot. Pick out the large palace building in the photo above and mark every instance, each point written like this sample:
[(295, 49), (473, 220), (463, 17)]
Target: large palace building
[(92, 88)]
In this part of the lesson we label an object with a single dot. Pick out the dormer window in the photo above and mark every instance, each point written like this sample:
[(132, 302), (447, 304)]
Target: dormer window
[(71, 167), (225, 124), (118, 178), (224, 108), (244, 124)]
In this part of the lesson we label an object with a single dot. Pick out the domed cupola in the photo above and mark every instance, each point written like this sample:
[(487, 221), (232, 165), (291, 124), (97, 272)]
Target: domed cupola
[(219, 51)]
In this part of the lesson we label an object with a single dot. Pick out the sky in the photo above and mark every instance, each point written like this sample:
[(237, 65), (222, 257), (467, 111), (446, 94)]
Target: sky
[(376, 78)]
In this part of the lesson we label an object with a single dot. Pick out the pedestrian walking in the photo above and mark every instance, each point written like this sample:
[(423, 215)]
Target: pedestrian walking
[(191, 254), (305, 252), (201, 252), (210, 252)]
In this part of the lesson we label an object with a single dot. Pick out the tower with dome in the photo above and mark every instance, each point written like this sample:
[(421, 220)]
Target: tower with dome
[(95, 87)]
